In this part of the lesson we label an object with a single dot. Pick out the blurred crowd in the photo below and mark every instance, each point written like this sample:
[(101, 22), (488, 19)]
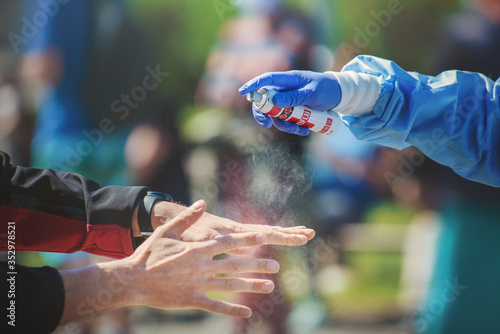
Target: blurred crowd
[(133, 93)]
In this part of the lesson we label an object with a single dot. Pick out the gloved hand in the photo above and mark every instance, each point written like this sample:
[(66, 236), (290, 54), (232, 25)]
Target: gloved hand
[(318, 91)]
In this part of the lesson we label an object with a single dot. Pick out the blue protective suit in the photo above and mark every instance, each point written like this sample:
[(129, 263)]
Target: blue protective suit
[(454, 118)]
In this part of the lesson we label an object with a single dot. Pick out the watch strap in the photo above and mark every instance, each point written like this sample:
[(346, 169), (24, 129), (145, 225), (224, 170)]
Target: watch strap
[(145, 208)]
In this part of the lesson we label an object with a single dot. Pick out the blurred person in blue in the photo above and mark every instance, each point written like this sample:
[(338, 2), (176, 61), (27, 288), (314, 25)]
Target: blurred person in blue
[(98, 112), (343, 188)]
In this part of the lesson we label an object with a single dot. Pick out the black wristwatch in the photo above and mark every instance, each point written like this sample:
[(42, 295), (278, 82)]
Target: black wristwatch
[(144, 214)]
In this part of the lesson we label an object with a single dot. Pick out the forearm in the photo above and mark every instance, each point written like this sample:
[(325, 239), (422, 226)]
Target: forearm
[(65, 212), (95, 289), (452, 118)]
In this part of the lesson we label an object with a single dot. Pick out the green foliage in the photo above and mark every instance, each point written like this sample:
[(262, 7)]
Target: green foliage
[(409, 36), (390, 213)]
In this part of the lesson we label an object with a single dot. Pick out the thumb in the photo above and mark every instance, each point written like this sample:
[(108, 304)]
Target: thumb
[(181, 222)]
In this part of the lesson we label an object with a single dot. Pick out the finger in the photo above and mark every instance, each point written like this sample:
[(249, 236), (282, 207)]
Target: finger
[(290, 127), (217, 306), (296, 230), (183, 220), (240, 285), (290, 98), (283, 80), (277, 235), (231, 242), (284, 239), (265, 228), (242, 251), (289, 229), (287, 236), (241, 265), (262, 119)]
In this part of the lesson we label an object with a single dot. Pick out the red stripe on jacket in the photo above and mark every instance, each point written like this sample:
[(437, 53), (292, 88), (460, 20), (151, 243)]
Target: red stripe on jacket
[(45, 232)]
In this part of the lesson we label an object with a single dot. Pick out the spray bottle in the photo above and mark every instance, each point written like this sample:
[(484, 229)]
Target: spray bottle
[(325, 122)]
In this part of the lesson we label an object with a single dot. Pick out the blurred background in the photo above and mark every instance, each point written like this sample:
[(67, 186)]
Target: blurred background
[(133, 92)]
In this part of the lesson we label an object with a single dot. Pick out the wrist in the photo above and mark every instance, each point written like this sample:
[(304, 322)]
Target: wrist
[(135, 223), (113, 280), (359, 92), (163, 212), (142, 226), (335, 91), (123, 280)]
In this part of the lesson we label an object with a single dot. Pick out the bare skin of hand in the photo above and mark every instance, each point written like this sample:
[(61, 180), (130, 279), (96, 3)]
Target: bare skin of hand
[(166, 272), (210, 226)]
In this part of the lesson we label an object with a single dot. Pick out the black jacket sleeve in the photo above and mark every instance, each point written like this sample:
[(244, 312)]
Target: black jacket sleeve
[(65, 212), (34, 299)]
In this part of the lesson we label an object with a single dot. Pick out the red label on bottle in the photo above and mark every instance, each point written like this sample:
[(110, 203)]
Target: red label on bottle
[(305, 118), (329, 122), (275, 111)]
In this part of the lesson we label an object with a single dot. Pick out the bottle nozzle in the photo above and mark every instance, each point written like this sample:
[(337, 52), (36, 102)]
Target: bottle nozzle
[(257, 97)]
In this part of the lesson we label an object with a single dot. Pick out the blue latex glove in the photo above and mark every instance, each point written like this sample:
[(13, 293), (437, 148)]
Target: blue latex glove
[(318, 91)]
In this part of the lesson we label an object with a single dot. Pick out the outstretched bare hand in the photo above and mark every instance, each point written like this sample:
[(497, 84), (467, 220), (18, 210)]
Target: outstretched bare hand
[(171, 273), (166, 272), (210, 226)]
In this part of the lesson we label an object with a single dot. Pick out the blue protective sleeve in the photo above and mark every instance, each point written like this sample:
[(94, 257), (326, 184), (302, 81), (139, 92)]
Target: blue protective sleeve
[(453, 118)]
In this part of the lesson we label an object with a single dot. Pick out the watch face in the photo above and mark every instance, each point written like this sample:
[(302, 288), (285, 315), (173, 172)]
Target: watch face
[(160, 196), (145, 207)]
